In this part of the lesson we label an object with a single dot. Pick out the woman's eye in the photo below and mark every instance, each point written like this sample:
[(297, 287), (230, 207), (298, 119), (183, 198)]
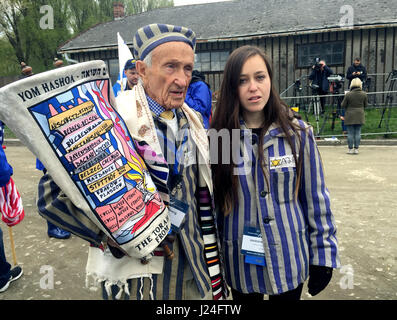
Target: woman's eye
[(242, 81), (261, 77)]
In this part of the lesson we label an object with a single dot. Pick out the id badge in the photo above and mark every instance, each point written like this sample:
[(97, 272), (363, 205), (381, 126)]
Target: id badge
[(177, 211), (189, 158), (252, 246)]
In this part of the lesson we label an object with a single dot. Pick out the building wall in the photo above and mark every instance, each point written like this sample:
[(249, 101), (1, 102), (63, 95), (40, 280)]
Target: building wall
[(377, 48)]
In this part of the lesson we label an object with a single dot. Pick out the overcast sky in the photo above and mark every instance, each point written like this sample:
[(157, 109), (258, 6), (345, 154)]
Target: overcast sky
[(185, 2)]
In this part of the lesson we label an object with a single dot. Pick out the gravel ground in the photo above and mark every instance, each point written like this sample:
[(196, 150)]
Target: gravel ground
[(363, 190)]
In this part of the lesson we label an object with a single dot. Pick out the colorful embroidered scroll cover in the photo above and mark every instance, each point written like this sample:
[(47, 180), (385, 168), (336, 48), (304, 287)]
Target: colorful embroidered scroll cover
[(66, 118)]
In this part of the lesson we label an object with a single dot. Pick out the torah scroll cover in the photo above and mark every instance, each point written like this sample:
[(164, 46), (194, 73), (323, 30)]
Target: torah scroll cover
[(66, 118)]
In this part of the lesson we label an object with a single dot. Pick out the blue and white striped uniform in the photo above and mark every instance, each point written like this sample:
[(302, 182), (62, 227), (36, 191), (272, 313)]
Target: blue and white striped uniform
[(295, 234)]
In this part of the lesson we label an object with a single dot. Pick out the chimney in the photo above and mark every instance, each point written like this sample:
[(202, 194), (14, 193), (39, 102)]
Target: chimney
[(118, 10)]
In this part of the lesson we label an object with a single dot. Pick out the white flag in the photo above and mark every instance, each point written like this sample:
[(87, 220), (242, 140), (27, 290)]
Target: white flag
[(124, 55)]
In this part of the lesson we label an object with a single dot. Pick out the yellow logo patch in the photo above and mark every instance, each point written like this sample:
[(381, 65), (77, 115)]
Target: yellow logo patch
[(275, 163), (286, 161)]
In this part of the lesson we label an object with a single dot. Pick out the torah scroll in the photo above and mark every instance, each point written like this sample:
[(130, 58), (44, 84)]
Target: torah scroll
[(67, 120)]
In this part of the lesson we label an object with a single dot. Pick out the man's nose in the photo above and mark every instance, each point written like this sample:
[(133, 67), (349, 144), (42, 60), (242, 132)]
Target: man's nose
[(181, 79)]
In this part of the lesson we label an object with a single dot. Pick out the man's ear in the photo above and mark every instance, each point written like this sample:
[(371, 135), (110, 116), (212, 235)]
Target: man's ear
[(141, 68)]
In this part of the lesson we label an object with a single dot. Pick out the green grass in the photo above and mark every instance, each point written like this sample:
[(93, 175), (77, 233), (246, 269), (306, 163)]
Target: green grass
[(8, 134), (368, 130), (371, 126)]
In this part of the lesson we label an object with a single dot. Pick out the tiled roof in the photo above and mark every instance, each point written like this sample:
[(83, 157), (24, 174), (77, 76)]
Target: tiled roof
[(244, 18)]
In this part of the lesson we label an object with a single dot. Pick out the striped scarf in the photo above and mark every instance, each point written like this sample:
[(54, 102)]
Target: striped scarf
[(210, 244)]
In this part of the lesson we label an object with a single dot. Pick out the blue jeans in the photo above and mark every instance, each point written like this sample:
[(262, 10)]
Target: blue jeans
[(4, 265), (353, 135)]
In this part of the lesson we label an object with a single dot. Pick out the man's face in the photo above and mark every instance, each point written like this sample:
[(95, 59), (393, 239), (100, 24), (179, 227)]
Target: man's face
[(167, 80), (356, 63), (132, 76)]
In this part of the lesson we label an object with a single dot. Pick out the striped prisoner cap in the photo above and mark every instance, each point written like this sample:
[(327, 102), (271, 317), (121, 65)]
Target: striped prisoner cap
[(151, 36)]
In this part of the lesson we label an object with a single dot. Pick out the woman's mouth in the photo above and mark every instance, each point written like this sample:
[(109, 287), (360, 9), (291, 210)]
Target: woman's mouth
[(254, 99)]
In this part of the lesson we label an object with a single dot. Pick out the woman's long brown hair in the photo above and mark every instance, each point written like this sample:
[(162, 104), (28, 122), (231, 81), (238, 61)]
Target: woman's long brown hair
[(227, 116)]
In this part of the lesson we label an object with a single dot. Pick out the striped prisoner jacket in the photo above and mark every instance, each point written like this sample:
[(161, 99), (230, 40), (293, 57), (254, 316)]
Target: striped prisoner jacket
[(196, 245), (295, 234)]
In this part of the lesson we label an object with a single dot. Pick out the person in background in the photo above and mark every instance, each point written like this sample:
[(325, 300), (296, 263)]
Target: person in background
[(8, 191), (354, 103), (356, 70), (199, 96), (274, 212), (319, 76), (132, 77)]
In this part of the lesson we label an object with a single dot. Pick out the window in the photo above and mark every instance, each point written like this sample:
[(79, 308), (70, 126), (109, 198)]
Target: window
[(210, 61), (332, 52)]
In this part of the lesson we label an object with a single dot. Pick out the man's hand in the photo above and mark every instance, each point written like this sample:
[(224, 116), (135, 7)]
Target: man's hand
[(319, 277)]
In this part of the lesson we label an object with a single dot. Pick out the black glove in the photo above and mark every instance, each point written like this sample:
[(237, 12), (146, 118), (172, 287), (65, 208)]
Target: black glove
[(319, 277), (116, 252)]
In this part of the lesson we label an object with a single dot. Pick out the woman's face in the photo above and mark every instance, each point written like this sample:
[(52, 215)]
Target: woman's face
[(254, 85)]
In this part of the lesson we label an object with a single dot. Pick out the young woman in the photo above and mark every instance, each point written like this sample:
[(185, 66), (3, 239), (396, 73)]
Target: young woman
[(273, 206)]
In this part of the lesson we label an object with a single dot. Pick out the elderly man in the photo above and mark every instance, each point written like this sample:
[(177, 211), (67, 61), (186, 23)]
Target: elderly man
[(155, 113), (175, 148)]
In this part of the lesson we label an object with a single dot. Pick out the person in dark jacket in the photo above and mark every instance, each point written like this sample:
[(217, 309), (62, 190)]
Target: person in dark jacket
[(356, 70), (319, 76), (199, 96), (354, 103)]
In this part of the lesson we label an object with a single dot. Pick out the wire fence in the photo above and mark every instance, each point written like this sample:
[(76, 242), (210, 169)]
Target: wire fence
[(380, 115)]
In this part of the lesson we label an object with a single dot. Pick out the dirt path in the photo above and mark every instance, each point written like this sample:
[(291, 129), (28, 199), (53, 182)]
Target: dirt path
[(364, 200)]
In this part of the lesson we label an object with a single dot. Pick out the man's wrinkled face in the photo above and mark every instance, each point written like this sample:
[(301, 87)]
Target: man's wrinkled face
[(167, 79)]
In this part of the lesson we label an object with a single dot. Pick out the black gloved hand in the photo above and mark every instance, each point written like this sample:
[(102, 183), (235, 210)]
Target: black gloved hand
[(319, 277), (116, 252), (114, 249)]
